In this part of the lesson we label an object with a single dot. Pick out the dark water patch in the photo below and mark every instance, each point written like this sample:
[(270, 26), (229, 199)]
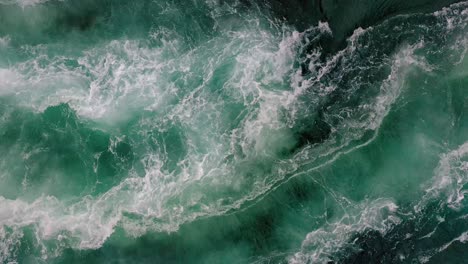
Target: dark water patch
[(345, 16), (428, 236), (86, 23)]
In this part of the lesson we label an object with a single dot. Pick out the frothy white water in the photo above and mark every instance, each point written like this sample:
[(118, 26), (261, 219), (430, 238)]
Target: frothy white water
[(450, 180), (123, 76), (9, 244), (380, 215), (23, 3), (4, 41), (320, 245), (351, 123), (112, 81), (126, 73), (8, 79), (451, 177)]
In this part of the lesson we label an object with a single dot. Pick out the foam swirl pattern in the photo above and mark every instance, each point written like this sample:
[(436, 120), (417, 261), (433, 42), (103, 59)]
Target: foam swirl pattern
[(219, 132)]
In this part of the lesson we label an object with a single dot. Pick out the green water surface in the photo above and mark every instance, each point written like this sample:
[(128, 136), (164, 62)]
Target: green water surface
[(204, 131)]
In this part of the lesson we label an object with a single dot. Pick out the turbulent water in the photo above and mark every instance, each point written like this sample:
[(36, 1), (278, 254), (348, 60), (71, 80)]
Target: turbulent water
[(205, 131)]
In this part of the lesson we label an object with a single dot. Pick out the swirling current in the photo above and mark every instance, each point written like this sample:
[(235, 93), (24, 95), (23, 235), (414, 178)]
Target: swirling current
[(233, 131)]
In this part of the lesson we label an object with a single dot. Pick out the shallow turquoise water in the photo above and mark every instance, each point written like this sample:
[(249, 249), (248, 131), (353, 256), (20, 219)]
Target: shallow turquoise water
[(228, 132)]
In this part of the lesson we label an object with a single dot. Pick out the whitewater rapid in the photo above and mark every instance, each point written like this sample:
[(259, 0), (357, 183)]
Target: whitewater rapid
[(148, 131)]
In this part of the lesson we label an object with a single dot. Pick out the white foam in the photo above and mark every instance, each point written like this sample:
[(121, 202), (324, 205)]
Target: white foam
[(8, 79), (321, 244), (352, 123), (124, 73), (23, 3), (122, 76), (463, 238), (9, 244), (450, 177), (403, 63), (4, 41)]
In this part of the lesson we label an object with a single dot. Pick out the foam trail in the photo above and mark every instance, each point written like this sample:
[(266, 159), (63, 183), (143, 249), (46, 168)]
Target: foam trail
[(208, 124), (448, 185), (321, 245), (451, 177), (157, 197), (112, 81)]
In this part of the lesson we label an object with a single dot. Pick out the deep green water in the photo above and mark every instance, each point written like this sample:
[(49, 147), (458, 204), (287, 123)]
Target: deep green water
[(204, 131)]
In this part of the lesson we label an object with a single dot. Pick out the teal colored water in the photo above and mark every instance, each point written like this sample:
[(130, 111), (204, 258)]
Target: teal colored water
[(204, 131)]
